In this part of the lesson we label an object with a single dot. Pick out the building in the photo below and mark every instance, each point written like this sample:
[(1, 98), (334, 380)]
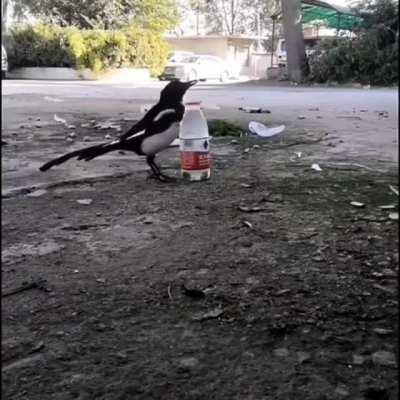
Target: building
[(239, 51)]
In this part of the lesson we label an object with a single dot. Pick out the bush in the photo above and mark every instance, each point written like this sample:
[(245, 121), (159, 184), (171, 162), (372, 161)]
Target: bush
[(53, 46), (371, 57)]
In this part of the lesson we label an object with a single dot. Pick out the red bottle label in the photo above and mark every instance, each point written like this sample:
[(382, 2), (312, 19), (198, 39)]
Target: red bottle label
[(193, 160)]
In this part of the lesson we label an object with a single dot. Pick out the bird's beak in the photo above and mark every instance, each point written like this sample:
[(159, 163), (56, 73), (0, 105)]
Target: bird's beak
[(191, 83)]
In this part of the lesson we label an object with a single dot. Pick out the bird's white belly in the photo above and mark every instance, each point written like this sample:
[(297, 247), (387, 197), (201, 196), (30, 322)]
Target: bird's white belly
[(160, 141)]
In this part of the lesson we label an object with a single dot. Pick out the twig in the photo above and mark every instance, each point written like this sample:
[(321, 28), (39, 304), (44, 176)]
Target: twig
[(272, 147), (169, 292), (32, 285), (394, 190), (338, 165)]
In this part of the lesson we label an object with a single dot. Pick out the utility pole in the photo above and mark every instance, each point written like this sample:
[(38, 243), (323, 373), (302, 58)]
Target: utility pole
[(295, 49)]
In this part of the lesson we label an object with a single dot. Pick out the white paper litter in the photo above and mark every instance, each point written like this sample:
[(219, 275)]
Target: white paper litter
[(85, 202), (394, 216), (60, 120), (261, 130), (357, 204), (54, 99), (316, 167), (388, 207)]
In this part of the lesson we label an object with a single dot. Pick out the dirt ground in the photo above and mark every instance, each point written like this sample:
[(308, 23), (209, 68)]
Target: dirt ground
[(262, 283)]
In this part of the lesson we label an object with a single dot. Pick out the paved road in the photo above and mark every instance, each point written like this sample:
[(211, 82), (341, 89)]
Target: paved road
[(341, 109), (351, 115)]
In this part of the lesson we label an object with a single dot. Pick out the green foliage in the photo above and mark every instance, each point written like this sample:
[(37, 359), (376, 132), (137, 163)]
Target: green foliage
[(159, 15), (219, 127), (96, 49), (371, 57)]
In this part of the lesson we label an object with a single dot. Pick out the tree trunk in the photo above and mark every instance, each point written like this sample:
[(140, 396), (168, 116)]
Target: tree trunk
[(293, 31)]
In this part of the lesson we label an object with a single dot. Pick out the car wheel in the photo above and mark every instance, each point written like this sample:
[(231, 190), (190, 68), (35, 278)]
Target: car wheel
[(192, 75), (224, 76)]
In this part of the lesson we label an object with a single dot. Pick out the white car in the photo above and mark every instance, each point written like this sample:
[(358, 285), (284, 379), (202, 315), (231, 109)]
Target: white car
[(178, 56), (4, 62), (197, 67)]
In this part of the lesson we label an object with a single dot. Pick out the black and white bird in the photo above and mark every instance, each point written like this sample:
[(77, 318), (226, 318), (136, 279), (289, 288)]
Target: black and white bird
[(152, 134)]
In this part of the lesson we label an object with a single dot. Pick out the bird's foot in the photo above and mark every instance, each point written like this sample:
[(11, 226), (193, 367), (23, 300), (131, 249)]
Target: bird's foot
[(161, 177)]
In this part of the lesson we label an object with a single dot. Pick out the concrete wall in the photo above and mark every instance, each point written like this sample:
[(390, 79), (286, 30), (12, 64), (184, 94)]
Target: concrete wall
[(215, 46)]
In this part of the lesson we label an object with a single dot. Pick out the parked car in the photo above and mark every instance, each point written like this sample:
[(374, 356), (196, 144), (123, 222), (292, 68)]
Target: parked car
[(4, 62), (178, 56), (281, 50), (197, 67)]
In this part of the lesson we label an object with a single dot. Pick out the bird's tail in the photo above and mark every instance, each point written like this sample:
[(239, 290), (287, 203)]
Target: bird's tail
[(86, 154)]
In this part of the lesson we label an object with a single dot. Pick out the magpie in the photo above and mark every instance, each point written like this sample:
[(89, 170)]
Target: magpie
[(152, 134)]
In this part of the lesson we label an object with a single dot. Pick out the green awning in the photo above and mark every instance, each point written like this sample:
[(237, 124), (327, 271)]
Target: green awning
[(330, 15)]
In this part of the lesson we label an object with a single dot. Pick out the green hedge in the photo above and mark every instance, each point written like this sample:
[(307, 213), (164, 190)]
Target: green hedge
[(354, 60), (52, 46), (370, 56)]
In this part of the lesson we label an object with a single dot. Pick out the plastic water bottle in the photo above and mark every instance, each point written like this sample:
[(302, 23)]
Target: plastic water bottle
[(194, 144)]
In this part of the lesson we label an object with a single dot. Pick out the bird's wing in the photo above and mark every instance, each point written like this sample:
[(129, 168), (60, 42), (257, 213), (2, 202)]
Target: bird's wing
[(163, 123), (143, 123)]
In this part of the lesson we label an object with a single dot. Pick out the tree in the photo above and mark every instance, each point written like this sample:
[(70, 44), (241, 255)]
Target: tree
[(158, 15), (234, 17), (296, 54)]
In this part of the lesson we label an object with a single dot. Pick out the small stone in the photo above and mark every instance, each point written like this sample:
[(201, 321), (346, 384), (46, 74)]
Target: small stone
[(281, 352), (188, 362), (301, 117), (385, 358), (234, 142), (252, 281), (85, 125), (358, 360), (71, 126), (101, 280), (108, 137), (122, 355), (302, 357), (246, 150), (342, 391), (383, 331), (70, 140), (37, 118), (60, 333), (72, 135), (101, 327), (256, 146), (86, 139)]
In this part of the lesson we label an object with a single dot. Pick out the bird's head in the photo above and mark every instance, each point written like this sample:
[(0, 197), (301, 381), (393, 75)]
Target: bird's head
[(175, 90)]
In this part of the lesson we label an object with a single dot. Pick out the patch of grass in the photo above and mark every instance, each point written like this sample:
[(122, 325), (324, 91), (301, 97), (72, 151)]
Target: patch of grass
[(221, 128)]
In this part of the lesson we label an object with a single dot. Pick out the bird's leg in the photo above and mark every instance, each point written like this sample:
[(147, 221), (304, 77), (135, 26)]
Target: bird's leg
[(156, 170)]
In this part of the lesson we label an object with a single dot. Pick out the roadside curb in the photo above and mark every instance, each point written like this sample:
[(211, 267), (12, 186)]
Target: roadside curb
[(122, 75)]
